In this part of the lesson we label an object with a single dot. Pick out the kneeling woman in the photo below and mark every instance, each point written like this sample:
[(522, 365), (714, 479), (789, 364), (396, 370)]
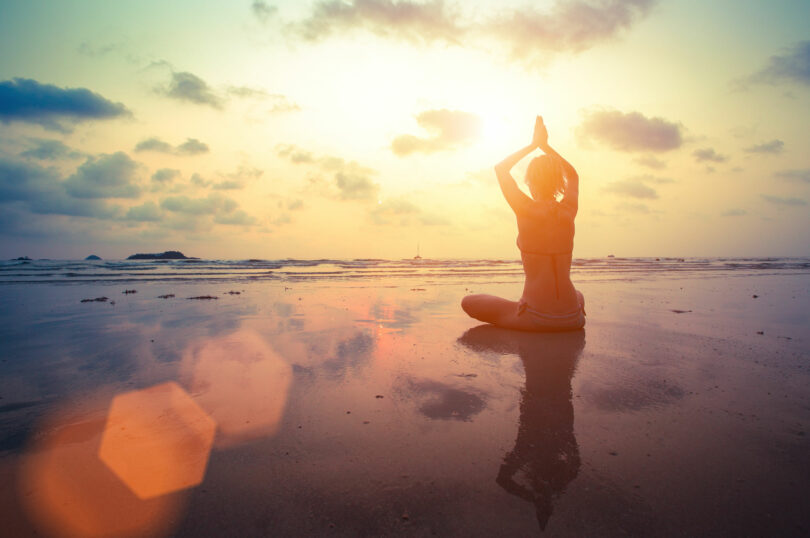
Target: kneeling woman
[(545, 239)]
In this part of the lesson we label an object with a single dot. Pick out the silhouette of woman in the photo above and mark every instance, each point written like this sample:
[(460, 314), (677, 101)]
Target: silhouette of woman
[(545, 458), (545, 239)]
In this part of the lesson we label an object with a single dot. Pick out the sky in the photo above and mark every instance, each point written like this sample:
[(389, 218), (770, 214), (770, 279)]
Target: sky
[(363, 128)]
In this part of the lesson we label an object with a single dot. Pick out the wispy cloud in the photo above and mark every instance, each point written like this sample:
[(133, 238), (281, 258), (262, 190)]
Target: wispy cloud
[(791, 65), (802, 175), (736, 212), (165, 175), (350, 180), (403, 212), (277, 101), (636, 187), (780, 201), (529, 33), (411, 21), (191, 146), (262, 10), (54, 108), (50, 150), (630, 131), (703, 155), (238, 179), (185, 86), (651, 161), (569, 26), (772, 147), (449, 129)]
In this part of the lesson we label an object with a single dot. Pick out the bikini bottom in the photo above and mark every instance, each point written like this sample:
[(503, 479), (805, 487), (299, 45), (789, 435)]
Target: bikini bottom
[(544, 321)]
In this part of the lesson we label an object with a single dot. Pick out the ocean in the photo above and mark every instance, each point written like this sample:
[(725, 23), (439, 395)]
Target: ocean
[(444, 271)]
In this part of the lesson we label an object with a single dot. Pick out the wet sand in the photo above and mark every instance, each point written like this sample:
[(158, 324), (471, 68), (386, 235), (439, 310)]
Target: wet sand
[(337, 409)]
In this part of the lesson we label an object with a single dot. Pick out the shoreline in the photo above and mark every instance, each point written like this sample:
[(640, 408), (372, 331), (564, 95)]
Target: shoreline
[(717, 406)]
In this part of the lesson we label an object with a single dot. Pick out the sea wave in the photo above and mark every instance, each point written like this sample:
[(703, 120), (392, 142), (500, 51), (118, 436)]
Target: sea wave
[(126, 271)]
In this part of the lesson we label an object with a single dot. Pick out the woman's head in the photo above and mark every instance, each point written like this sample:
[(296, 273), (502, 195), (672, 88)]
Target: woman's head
[(545, 178)]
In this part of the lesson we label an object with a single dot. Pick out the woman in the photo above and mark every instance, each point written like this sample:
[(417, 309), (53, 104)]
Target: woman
[(545, 239)]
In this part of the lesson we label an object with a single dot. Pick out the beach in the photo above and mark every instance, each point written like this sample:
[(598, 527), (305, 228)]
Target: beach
[(357, 399)]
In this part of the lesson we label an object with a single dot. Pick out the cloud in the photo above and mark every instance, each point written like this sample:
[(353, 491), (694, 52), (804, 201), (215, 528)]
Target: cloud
[(146, 212), (165, 175), (630, 132), (278, 102), (154, 144), (235, 218), (42, 191), (795, 175), (774, 146), (214, 203), (793, 65), (58, 109), (651, 162), (199, 181), (50, 150), (403, 212), (105, 176), (569, 26), (192, 211), (238, 179), (531, 34), (449, 128), (295, 154), (191, 146), (295, 205), (406, 20), (632, 188), (351, 181), (185, 86), (734, 213), (626, 207), (778, 200), (708, 155), (262, 10)]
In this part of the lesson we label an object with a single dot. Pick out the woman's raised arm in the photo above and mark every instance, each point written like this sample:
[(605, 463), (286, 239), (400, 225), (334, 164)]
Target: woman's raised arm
[(516, 198)]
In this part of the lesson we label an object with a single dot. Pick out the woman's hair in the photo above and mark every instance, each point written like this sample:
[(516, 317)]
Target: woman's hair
[(545, 177)]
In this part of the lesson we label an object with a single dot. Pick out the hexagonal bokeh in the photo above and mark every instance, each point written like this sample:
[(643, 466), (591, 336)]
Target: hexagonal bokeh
[(242, 383), (157, 440), (66, 490)]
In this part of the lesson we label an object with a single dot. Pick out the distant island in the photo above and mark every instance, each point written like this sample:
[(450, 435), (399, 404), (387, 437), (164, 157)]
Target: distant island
[(168, 255), (92, 257)]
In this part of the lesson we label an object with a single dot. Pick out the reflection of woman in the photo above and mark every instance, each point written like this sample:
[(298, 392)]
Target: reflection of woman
[(545, 239), (545, 458)]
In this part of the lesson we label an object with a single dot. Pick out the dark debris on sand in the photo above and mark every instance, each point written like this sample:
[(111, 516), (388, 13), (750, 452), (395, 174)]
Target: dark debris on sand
[(680, 311), (233, 292), (203, 297), (96, 300), (167, 296), (127, 292)]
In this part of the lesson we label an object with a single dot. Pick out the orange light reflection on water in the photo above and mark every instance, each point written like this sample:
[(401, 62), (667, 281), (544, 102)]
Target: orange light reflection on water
[(157, 440), (241, 382), (68, 491)]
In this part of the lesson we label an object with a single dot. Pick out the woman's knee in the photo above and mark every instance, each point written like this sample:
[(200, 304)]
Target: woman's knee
[(471, 303)]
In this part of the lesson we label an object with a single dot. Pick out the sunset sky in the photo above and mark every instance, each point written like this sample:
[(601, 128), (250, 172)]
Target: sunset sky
[(359, 128)]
